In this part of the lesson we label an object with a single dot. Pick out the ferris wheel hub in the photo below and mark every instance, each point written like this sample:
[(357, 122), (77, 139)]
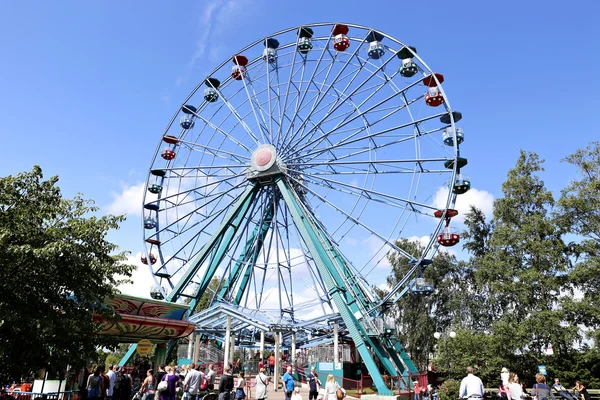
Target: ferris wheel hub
[(264, 163)]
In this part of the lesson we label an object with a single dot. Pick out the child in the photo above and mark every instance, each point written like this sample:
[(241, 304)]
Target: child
[(296, 395)]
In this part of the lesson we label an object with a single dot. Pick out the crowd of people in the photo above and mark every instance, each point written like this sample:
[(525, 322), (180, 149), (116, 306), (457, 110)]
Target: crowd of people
[(194, 382), (511, 388)]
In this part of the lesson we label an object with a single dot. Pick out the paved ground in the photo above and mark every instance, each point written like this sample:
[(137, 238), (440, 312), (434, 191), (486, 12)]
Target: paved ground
[(277, 395)]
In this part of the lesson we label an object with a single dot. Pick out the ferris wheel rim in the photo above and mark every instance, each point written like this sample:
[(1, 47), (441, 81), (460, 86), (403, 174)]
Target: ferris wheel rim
[(432, 246)]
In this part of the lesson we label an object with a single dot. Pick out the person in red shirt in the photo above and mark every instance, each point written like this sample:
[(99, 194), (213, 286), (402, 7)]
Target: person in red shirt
[(417, 389), (261, 364), (272, 364)]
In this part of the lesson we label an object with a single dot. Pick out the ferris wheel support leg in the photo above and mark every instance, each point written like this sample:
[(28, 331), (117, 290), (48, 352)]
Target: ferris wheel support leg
[(353, 293), (248, 256), (219, 242), (327, 271)]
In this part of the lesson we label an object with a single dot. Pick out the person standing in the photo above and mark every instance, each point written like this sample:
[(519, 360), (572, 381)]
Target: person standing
[(288, 383), (515, 388), (171, 378), (471, 385), (192, 381), (262, 381), (126, 385), (272, 364), (583, 393), (112, 376), (261, 364), (504, 376), (240, 394), (331, 387), (296, 395), (95, 385), (417, 389), (160, 373), (561, 390), (313, 384), (226, 384), (148, 388), (211, 378)]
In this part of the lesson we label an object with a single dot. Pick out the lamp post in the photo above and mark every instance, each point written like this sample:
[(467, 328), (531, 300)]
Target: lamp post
[(446, 335)]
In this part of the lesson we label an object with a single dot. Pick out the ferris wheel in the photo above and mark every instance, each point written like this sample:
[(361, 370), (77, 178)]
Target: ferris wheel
[(291, 170)]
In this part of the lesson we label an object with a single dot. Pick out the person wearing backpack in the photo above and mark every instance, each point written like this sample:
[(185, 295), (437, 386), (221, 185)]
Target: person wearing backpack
[(191, 384), (95, 385), (540, 390)]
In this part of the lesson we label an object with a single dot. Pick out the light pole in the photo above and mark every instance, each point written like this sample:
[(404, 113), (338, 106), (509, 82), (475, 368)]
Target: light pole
[(446, 335)]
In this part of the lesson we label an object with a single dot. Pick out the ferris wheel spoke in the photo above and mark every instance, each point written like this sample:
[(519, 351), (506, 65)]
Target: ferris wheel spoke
[(357, 89), (252, 99), (242, 159), (311, 79), (369, 194), (356, 221), (210, 183), (292, 138), (360, 114), (352, 139), (227, 135), (287, 92), (216, 198), (237, 116)]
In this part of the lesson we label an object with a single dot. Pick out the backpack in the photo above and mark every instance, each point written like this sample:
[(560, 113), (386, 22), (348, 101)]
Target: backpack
[(204, 383), (119, 380), (95, 391)]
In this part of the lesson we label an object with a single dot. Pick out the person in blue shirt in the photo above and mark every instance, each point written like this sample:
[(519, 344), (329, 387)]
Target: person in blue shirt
[(288, 383), (313, 384)]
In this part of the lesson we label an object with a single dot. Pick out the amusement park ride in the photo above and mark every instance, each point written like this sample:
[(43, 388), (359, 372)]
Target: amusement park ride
[(288, 162)]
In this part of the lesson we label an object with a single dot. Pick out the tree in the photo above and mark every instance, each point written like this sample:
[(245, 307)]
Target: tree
[(56, 269), (418, 317), (579, 213)]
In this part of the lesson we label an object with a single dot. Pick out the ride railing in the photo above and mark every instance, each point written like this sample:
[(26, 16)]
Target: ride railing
[(64, 395)]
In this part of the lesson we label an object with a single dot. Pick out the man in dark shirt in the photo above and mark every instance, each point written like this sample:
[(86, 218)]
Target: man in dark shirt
[(226, 384), (313, 383)]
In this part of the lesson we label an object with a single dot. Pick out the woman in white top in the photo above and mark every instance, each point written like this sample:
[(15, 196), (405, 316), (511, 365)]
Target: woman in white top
[(504, 375), (330, 388), (516, 391), (239, 388), (262, 381)]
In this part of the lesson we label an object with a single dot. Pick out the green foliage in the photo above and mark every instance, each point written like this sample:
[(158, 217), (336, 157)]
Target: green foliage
[(56, 268), (417, 318), (523, 288), (449, 390)]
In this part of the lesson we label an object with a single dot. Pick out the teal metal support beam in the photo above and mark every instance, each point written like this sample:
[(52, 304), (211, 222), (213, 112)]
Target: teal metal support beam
[(338, 263), (241, 207), (328, 271), (249, 254), (128, 355), (229, 231), (407, 361), (219, 242)]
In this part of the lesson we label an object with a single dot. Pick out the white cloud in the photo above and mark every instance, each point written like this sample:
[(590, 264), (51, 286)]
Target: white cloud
[(384, 286), (378, 250), (141, 277), (479, 198), (129, 201)]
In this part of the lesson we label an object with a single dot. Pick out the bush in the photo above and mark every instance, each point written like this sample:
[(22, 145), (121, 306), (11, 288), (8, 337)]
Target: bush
[(449, 390)]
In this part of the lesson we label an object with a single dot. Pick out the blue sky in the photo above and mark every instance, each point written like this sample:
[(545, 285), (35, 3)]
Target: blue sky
[(87, 88)]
